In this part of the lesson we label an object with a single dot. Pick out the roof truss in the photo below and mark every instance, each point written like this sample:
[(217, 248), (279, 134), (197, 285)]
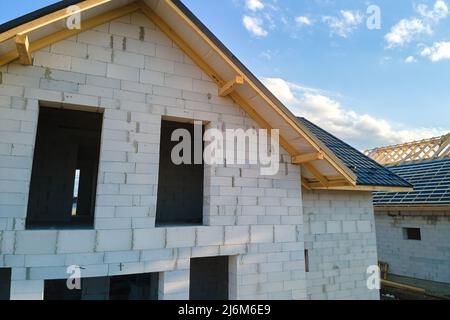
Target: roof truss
[(428, 149)]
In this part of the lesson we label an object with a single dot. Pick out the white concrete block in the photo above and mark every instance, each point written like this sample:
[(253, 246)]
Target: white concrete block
[(180, 237), (76, 241), (261, 234), (285, 233), (144, 239), (114, 240), (237, 235), (349, 226), (210, 236), (334, 227), (35, 242), (364, 226), (122, 72), (50, 60)]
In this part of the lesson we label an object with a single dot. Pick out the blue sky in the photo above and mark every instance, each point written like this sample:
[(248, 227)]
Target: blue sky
[(369, 87)]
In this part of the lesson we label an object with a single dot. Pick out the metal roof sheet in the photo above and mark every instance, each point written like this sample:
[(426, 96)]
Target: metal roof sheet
[(368, 172), (431, 181)]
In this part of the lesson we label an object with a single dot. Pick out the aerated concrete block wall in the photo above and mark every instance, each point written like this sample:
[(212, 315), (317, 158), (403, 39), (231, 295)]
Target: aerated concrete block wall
[(137, 75), (341, 243), (427, 259)]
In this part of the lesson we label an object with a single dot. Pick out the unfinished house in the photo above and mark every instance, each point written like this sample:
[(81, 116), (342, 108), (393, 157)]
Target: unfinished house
[(88, 188), (413, 228)]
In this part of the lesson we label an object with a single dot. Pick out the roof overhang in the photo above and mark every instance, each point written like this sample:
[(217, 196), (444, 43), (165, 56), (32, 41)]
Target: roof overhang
[(326, 171)]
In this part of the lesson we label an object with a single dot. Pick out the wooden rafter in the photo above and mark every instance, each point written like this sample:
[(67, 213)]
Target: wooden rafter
[(230, 86), (23, 49), (307, 158), (67, 33), (428, 149), (306, 184), (316, 173), (48, 19)]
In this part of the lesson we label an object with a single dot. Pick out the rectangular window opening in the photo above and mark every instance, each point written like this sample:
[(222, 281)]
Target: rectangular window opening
[(180, 185), (65, 168), (306, 260), (209, 278), (76, 186), (5, 283), (412, 234), (127, 287)]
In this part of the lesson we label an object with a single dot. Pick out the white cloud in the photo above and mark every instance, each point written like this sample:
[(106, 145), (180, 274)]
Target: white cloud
[(255, 26), (268, 54), (360, 130), (344, 25), (405, 31), (303, 21), (438, 12), (254, 5), (410, 59), (439, 51)]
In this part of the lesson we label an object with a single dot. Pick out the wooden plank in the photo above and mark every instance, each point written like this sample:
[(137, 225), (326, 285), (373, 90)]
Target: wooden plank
[(230, 86), (48, 19), (316, 173), (23, 49), (307, 158), (331, 184), (305, 184), (402, 286), (362, 188), (66, 33)]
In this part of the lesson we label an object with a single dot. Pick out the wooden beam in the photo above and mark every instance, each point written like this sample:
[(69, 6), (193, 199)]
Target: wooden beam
[(361, 188), (307, 158), (331, 184), (261, 121), (313, 170), (23, 49), (305, 184), (230, 86), (66, 33), (402, 286), (48, 19)]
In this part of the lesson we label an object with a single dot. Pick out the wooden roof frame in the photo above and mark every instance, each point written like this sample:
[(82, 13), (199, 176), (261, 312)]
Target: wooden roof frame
[(348, 179), (416, 151)]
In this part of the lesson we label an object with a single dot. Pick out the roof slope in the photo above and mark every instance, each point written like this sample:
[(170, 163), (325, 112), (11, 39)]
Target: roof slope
[(431, 181), (368, 172)]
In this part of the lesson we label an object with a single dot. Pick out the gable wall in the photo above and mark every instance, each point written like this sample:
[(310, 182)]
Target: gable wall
[(137, 75)]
